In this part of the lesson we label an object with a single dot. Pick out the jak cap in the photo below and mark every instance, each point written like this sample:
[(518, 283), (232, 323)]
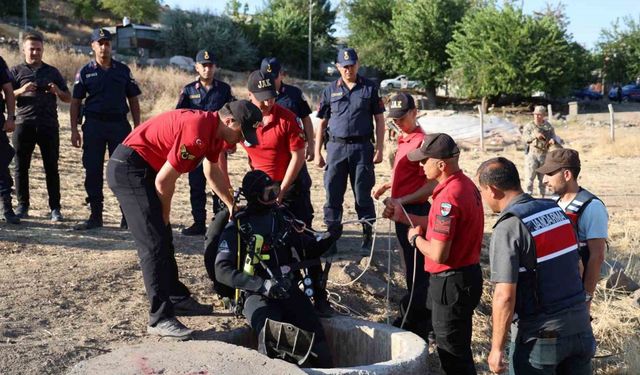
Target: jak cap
[(205, 57), (100, 34), (437, 145), (557, 159), (249, 117), (270, 65), (540, 109), (400, 104), (347, 56), (261, 85)]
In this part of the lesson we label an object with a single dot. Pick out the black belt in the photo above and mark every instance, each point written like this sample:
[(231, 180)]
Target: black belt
[(350, 140), (125, 154), (456, 271), (109, 117)]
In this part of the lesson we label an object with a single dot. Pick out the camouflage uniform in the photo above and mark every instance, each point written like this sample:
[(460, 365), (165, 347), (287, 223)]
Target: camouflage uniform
[(535, 152)]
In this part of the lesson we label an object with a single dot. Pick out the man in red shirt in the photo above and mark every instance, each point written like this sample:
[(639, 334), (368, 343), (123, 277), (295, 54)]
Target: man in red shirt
[(142, 173), (410, 189), (451, 246), (280, 153)]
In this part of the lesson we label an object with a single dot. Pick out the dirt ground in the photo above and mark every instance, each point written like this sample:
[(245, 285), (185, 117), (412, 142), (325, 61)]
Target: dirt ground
[(66, 296)]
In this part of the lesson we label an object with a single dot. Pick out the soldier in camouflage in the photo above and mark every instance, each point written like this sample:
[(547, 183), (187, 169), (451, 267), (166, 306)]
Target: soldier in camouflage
[(538, 136)]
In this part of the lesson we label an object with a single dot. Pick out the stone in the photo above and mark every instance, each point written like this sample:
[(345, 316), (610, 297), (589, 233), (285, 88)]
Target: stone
[(621, 282), (635, 297)]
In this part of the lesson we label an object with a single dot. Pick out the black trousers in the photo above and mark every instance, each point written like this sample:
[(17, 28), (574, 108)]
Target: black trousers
[(453, 296), (97, 137), (296, 310), (25, 138), (6, 154), (418, 317), (198, 196), (132, 180)]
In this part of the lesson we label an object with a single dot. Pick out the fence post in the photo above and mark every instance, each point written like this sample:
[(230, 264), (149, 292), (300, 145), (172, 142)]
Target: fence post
[(613, 127), (481, 127), (550, 111)]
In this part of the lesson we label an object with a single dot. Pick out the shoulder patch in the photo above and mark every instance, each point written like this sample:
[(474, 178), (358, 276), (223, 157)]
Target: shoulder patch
[(445, 208), (442, 225), (184, 153)]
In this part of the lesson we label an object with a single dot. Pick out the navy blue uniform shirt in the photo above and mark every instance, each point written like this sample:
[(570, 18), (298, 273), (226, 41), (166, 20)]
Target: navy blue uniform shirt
[(37, 105), (106, 90), (350, 112), (292, 99), (5, 77), (196, 96)]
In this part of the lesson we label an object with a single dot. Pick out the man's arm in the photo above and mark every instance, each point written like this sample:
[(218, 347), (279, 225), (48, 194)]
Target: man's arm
[(295, 164), (219, 182), (379, 119), (10, 101), (597, 247), (74, 112), (134, 105), (436, 250), (165, 187), (319, 135), (503, 304), (307, 125), (425, 191)]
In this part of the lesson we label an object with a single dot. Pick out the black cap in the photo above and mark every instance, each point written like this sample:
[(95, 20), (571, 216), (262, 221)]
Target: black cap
[(261, 85), (400, 104), (205, 57), (437, 146), (254, 183), (270, 65), (249, 117), (557, 159), (100, 34), (347, 56)]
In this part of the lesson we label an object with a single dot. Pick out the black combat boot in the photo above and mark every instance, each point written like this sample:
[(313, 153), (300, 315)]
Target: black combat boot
[(367, 238), (7, 210), (95, 219)]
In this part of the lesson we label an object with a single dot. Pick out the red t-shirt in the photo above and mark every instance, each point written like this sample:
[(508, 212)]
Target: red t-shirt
[(183, 137), (456, 214), (278, 135), (408, 176)]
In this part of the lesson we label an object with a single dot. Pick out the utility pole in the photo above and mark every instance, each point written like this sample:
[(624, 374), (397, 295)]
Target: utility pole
[(24, 13), (309, 46)]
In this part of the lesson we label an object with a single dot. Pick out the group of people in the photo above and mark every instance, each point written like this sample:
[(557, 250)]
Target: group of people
[(545, 255)]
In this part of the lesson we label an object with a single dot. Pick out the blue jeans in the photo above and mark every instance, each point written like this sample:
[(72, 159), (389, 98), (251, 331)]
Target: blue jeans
[(562, 355)]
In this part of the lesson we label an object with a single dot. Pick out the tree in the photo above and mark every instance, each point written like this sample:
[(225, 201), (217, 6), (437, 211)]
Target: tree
[(421, 31), (619, 51), (284, 29), (84, 9), (187, 32), (370, 32), (503, 51), (141, 11), (14, 8)]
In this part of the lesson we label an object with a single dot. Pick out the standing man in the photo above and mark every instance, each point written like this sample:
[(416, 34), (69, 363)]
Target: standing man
[(6, 151), (142, 173), (410, 189), (348, 107), (206, 94), (451, 246), (108, 85), (37, 85), (538, 291), (586, 211), (538, 135)]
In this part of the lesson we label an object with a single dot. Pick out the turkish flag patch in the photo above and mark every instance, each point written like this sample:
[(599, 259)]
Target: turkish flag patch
[(442, 224)]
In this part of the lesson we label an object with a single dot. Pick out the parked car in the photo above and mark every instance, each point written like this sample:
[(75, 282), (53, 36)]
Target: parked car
[(399, 82), (586, 94), (629, 92)]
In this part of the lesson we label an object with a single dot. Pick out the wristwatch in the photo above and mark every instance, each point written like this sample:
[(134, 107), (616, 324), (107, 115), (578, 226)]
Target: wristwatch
[(413, 240)]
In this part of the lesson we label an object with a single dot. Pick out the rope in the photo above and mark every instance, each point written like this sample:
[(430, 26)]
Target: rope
[(413, 281)]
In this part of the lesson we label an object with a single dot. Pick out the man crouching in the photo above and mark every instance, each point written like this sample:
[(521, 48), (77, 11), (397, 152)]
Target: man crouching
[(261, 254)]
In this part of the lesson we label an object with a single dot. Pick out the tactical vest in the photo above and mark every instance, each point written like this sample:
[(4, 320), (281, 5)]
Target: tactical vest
[(552, 282), (574, 210)]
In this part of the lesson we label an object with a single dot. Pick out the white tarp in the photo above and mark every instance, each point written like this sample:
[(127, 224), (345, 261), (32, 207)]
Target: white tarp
[(466, 128)]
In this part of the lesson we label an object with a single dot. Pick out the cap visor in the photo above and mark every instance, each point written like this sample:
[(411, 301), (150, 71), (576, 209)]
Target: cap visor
[(250, 136), (548, 168), (265, 95), (348, 62), (416, 155)]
